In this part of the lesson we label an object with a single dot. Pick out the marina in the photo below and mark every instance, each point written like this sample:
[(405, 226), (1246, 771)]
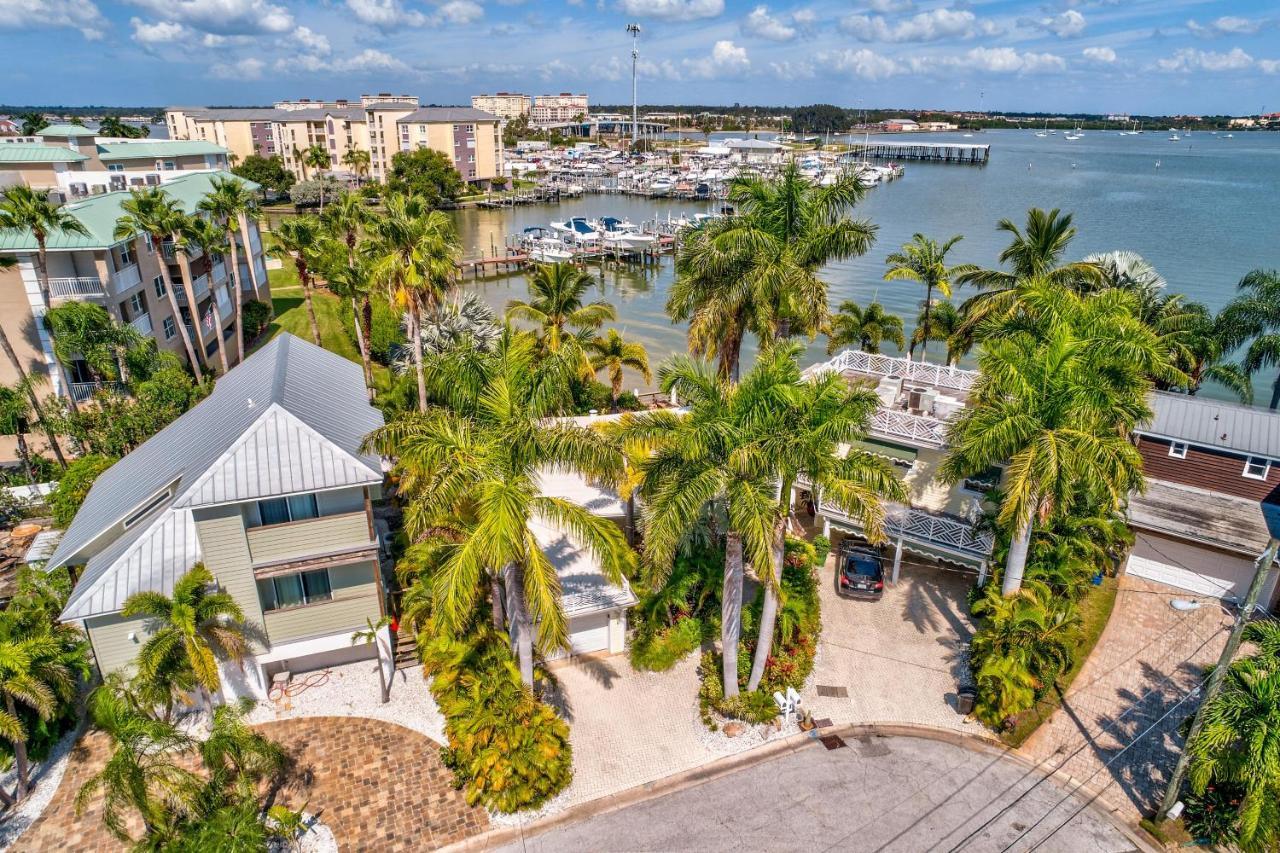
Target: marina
[(935, 152)]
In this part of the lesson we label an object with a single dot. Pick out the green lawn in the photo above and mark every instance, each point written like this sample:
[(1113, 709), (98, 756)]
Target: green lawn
[(291, 316), (1095, 611)]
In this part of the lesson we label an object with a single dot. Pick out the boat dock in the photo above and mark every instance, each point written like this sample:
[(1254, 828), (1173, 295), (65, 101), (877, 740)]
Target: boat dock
[(936, 152)]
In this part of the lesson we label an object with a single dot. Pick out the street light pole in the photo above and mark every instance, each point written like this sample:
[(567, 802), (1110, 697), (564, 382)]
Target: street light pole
[(634, 29), (1214, 684)]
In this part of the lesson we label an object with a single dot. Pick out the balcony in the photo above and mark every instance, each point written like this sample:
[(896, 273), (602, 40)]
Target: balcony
[(923, 430), (77, 287), (219, 271), (142, 324), (125, 278), (172, 254), (913, 372), (83, 391), (938, 535), (312, 539), (202, 289)]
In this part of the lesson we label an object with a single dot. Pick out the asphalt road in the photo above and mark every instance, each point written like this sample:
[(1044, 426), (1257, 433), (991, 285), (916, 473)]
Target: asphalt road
[(877, 794)]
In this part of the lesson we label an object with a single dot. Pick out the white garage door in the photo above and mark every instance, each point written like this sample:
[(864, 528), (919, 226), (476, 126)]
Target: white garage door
[(1197, 570), (589, 633)]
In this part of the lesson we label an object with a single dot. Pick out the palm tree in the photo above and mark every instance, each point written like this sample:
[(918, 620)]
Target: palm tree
[(711, 293), (925, 261), (477, 461), (153, 213), (191, 630), (945, 326), (35, 673), (316, 157), (1056, 401), (708, 457), (229, 204), (611, 353), (143, 773), (296, 239), (1205, 344), (112, 126), (358, 161), (1254, 317), (32, 123), (803, 426), (346, 219), (25, 209), (87, 330), (556, 301), (867, 328), (26, 382), (415, 254), (208, 238)]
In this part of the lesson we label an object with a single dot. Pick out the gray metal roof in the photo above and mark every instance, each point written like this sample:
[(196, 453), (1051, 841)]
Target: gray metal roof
[(430, 114), (234, 113), (1212, 423), (290, 419), (583, 586), (350, 113)]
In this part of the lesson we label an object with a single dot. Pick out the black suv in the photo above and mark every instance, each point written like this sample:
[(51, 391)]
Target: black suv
[(859, 571)]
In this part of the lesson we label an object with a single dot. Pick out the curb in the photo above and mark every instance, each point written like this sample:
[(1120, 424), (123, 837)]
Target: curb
[(978, 742)]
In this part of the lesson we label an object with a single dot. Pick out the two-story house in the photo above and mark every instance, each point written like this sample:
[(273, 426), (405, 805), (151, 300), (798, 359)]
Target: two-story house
[(1209, 468), (265, 483), (909, 428)]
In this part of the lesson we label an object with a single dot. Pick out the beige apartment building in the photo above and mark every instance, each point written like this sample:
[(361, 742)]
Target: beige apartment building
[(505, 105), (554, 109), (472, 138)]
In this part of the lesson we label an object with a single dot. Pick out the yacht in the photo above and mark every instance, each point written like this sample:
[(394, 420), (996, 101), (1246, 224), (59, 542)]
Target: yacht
[(548, 250), (1175, 138), (622, 234), (576, 229), (661, 186)]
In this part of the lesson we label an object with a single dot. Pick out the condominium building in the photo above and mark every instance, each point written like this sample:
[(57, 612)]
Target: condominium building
[(505, 105), (553, 109), (77, 162), (472, 138), (124, 276)]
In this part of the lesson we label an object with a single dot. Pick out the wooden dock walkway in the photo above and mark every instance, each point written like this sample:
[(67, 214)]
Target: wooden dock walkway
[(937, 152)]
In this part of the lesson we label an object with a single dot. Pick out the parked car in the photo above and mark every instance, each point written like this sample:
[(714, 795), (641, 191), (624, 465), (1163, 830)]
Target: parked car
[(859, 571)]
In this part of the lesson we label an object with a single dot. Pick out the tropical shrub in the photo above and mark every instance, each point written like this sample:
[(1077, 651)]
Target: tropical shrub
[(592, 394), (1212, 815), (751, 706), (671, 620), (657, 650), (73, 487), (387, 334), (255, 315)]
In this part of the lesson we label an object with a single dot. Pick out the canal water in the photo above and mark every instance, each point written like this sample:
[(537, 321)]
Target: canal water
[(1203, 210)]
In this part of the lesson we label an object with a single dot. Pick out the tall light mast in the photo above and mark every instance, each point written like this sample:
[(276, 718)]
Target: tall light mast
[(634, 29)]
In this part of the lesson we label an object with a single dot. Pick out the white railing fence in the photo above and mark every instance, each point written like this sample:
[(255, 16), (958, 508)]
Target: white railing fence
[(920, 429), (922, 372), (77, 287), (142, 323), (925, 527)]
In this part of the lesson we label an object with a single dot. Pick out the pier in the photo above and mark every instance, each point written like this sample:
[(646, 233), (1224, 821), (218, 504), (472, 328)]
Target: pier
[(936, 152)]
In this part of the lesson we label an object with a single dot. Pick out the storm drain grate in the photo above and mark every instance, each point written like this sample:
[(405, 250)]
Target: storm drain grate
[(833, 742), (833, 692), (824, 723)]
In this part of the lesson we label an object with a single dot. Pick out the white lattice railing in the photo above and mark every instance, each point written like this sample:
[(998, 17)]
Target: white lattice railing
[(917, 372), (77, 287), (918, 429), (927, 528)]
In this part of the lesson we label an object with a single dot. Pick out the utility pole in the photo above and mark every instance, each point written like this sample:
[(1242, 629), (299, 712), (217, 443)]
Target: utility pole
[(634, 29), (1214, 684)]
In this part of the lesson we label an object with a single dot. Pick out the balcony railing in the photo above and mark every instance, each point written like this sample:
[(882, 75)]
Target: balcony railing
[(219, 271), (946, 532), (82, 391), (172, 254), (914, 372), (142, 323), (77, 287), (125, 278), (917, 429)]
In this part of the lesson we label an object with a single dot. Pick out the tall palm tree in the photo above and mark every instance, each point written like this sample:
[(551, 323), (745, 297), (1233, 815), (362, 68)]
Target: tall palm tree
[(25, 209), (358, 160), (1056, 401), (1034, 252), (191, 630), (415, 252), (807, 429), (153, 213), (923, 260), (208, 239), (1205, 342), (296, 239), (317, 158), (946, 325), (1254, 317), (26, 382), (711, 292), (707, 457), (557, 300), (611, 353), (478, 460), (867, 328), (34, 672), (229, 203), (89, 331), (346, 219)]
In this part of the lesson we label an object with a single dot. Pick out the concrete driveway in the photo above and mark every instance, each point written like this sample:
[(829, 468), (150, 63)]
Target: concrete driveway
[(900, 658), (877, 794)]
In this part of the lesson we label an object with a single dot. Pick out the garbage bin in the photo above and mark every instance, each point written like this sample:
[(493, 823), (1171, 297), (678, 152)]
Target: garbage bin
[(965, 699)]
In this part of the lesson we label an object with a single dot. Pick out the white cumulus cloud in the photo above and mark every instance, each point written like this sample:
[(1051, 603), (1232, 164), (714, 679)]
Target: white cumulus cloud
[(311, 40), (1006, 60), (1189, 59), (934, 25), (673, 10), (863, 63), (249, 68), (1069, 23), (461, 12), (385, 14), (726, 60), (161, 32), (1227, 25), (1105, 55), (761, 23), (224, 17), (80, 15)]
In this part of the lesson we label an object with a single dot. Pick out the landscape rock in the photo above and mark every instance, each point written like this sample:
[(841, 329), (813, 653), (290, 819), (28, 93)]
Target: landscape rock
[(734, 728)]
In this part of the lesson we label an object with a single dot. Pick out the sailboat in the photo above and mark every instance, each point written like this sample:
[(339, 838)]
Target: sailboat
[(1043, 133)]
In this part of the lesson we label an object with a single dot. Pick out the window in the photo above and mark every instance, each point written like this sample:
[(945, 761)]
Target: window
[(151, 504), (146, 238), (137, 305), (126, 257), (284, 510), (1178, 449), (294, 590), (170, 328), (158, 284), (984, 482), (115, 167), (1257, 468)]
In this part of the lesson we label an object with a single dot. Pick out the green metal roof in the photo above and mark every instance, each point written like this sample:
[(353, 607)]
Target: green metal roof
[(892, 452), (108, 151), (99, 213), (17, 152), (66, 130)]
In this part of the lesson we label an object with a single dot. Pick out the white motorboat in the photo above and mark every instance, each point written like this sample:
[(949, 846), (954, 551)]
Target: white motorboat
[(661, 186), (576, 229), (1175, 138), (549, 250), (621, 234)]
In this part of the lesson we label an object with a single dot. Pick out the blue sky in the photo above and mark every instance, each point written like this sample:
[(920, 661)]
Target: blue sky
[(1153, 56)]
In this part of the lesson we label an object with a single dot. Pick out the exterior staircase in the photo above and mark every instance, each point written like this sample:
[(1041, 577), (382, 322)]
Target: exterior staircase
[(406, 651)]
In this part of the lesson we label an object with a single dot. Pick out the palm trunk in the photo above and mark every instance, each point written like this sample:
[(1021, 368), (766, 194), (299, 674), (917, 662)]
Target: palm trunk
[(615, 389), (1275, 395), (1017, 561), (239, 297), (46, 295), (304, 278), (248, 247), (366, 328), (495, 601), (521, 631), (32, 398), (926, 321), (784, 329), (417, 357), (361, 344), (158, 241), (629, 509), (19, 756), (24, 454), (217, 326), (769, 612), (731, 612)]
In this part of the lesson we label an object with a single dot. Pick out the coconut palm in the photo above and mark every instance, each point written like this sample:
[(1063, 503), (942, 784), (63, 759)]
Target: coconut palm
[(1253, 317), (190, 631), (477, 460), (611, 353), (946, 325), (709, 456), (1055, 401), (1205, 342), (154, 214), (556, 301), (415, 255), (86, 330), (923, 260), (229, 203), (204, 237), (32, 123), (806, 429), (26, 383), (296, 240), (867, 328), (711, 293)]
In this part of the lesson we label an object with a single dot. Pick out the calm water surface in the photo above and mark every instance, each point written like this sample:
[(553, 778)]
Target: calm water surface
[(1202, 210)]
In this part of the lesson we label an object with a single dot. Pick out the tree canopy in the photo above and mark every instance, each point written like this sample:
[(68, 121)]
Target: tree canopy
[(426, 174)]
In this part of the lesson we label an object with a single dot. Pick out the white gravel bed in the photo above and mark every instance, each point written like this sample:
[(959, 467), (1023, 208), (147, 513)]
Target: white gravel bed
[(352, 690), (46, 777), (317, 839)]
